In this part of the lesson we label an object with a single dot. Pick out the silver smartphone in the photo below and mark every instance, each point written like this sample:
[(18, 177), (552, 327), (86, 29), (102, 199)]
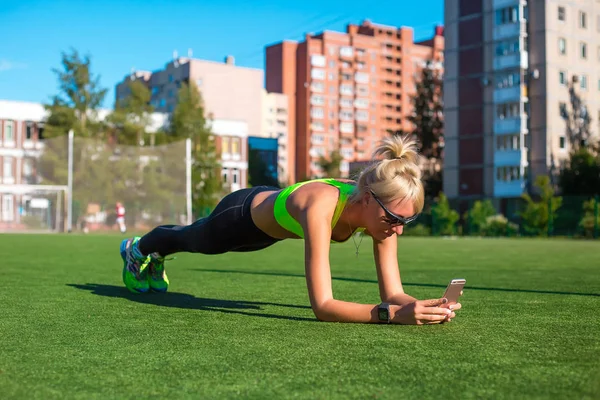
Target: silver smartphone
[(453, 290)]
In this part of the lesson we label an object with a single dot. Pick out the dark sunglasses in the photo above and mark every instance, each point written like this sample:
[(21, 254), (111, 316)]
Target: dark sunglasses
[(392, 218)]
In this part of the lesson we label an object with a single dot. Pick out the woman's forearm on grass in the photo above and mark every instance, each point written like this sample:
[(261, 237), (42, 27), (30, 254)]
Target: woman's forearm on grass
[(343, 311)]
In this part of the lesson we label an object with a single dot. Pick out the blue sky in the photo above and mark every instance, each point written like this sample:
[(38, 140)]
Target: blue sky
[(123, 34)]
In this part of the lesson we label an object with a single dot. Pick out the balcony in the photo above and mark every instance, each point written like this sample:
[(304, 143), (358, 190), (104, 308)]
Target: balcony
[(515, 60), (504, 158), (509, 30), (510, 94), (506, 3), (510, 125), (509, 189)]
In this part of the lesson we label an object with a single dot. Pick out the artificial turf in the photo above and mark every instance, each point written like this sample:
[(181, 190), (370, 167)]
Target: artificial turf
[(240, 325)]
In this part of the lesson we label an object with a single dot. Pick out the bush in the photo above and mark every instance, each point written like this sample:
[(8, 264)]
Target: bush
[(443, 218), (477, 216), (538, 215), (417, 230), (498, 225), (589, 224)]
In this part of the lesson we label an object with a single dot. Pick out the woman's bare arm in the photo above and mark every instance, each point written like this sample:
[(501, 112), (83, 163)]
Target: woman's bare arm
[(385, 253), (317, 236)]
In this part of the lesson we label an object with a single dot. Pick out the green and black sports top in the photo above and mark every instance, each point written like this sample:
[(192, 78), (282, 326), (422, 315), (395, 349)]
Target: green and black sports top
[(283, 217)]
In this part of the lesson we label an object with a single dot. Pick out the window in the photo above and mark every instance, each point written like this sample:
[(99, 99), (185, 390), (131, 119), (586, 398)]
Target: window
[(582, 20), (562, 108), (27, 167), (583, 50), (508, 79), (508, 110), (508, 142), (317, 112), (562, 46), (318, 87), (8, 168), (317, 100), (317, 60), (344, 102), (562, 142), (8, 131), (225, 145), (346, 115), (561, 14), (331, 76), (583, 81), (361, 103), (347, 127), (362, 90), (361, 77), (235, 146), (362, 115), (562, 78), (170, 78), (346, 89), (346, 51), (225, 175), (236, 175), (508, 174), (162, 103), (317, 73), (7, 207), (507, 47), (507, 15), (317, 139), (317, 126)]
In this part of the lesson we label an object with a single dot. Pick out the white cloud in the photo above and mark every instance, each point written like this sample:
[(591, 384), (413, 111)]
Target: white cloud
[(6, 65)]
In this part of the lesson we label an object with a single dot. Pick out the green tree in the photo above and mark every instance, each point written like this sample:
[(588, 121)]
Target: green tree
[(477, 216), (331, 165), (188, 121), (258, 171), (581, 174), (80, 96), (577, 118), (538, 216), (590, 223), (443, 218), (427, 118), (131, 116)]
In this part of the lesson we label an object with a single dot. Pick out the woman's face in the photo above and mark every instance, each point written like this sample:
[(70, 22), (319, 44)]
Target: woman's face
[(385, 219)]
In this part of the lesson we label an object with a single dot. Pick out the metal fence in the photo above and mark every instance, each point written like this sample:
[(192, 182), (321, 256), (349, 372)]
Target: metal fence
[(561, 216), (74, 184)]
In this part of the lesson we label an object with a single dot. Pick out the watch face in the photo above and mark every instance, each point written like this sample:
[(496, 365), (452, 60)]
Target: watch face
[(383, 314)]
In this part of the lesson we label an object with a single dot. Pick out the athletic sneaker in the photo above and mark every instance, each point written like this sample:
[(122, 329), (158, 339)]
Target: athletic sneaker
[(135, 269), (157, 276)]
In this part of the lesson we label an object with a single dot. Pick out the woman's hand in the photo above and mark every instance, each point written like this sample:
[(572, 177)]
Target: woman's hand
[(423, 312)]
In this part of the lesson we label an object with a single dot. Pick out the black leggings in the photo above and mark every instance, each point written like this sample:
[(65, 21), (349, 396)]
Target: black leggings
[(228, 228)]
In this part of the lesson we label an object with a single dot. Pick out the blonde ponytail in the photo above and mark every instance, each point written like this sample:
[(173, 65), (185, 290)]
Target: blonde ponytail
[(395, 174)]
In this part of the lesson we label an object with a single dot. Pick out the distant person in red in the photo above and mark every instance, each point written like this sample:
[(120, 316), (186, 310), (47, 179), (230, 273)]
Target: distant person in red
[(120, 210)]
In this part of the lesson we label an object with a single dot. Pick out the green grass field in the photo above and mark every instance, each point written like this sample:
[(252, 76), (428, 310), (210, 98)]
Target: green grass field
[(240, 325)]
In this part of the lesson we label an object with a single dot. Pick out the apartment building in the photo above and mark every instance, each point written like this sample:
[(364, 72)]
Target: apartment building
[(508, 67), (348, 90), (20, 145), (275, 125)]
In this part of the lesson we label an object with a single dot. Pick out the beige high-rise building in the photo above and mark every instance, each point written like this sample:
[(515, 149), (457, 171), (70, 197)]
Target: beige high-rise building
[(508, 64), (230, 93)]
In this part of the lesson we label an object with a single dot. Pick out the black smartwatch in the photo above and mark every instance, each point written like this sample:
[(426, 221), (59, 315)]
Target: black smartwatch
[(383, 313)]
